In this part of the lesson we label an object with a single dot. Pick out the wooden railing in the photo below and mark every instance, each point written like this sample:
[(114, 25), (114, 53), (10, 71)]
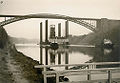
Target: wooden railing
[(100, 63), (87, 72)]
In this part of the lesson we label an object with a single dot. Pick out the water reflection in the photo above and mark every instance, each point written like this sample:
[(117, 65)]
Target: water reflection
[(107, 51), (100, 54), (70, 55), (77, 55), (53, 57)]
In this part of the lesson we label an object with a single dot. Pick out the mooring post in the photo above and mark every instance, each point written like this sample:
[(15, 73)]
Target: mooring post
[(109, 76)]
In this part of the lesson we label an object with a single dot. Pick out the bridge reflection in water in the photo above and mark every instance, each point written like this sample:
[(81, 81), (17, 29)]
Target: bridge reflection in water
[(53, 57), (57, 64)]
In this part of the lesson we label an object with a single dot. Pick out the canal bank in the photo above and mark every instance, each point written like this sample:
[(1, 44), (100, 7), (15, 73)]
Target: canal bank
[(5, 74), (26, 66), (15, 67)]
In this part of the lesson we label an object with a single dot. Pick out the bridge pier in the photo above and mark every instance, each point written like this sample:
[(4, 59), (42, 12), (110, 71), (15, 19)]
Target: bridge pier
[(98, 25), (41, 41), (66, 59), (59, 58), (46, 31), (102, 25), (41, 56), (46, 56), (52, 58), (66, 29), (59, 30)]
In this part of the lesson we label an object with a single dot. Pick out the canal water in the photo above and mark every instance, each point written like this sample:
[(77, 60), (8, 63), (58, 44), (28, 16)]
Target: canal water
[(73, 54)]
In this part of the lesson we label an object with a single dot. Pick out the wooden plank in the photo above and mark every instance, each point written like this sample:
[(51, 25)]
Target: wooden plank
[(76, 73), (53, 75), (87, 81), (101, 63), (91, 81)]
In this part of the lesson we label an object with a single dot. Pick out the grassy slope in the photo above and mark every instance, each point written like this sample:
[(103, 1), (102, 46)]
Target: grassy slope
[(96, 38)]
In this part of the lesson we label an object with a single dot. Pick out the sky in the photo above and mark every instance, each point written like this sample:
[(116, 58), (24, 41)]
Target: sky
[(77, 8)]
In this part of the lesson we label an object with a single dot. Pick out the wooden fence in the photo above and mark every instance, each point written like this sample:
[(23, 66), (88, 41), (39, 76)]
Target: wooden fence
[(88, 72)]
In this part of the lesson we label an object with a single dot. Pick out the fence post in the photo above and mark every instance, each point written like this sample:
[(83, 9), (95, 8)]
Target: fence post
[(57, 77), (89, 75), (45, 78), (109, 76)]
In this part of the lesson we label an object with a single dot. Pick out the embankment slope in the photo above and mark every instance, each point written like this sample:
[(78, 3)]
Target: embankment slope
[(111, 32), (23, 65)]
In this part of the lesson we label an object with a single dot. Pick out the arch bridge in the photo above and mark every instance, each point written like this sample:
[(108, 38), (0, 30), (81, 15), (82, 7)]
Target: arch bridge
[(89, 23)]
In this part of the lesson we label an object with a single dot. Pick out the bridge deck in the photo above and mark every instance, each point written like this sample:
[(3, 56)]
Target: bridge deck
[(55, 16)]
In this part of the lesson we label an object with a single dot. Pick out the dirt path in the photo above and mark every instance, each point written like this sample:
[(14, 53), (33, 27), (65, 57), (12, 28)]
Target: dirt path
[(15, 69), (5, 74), (10, 71)]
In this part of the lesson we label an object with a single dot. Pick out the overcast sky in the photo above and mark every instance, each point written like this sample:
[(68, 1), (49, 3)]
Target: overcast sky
[(78, 8)]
